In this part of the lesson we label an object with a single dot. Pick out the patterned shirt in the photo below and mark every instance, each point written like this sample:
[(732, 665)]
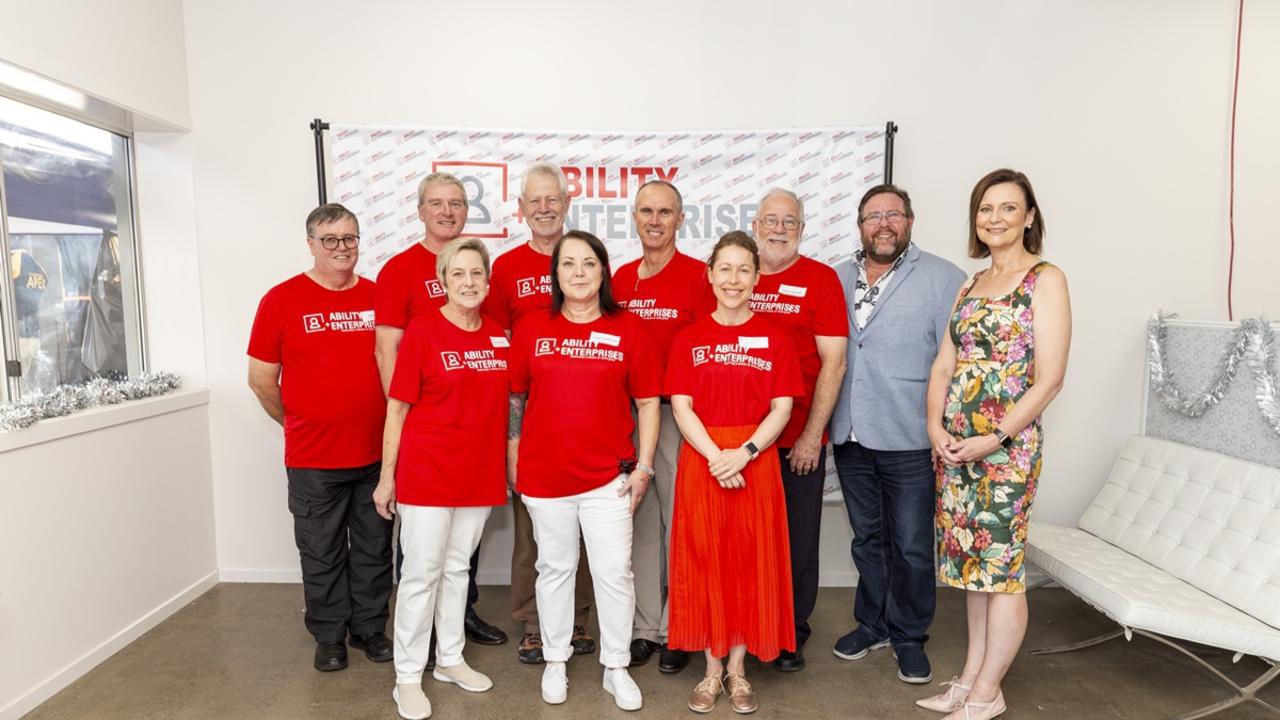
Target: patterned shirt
[(864, 293)]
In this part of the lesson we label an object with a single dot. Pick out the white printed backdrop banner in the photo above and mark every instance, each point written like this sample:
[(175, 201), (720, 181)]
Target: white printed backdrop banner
[(375, 170), (721, 173)]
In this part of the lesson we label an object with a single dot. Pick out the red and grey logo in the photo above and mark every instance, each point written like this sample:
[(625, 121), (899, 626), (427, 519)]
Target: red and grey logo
[(544, 346), (314, 322), (451, 360)]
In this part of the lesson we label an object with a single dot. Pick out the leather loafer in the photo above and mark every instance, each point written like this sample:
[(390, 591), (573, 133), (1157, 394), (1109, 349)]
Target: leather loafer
[(672, 661), (481, 632), (377, 646), (642, 650), (331, 656), (530, 650), (789, 661), (582, 643)]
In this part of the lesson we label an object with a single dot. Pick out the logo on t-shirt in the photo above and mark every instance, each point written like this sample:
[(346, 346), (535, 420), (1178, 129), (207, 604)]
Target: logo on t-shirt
[(701, 355), (544, 346), (647, 308), (313, 322), (451, 360), (338, 321), (533, 286), (733, 354), (434, 288), (479, 360), (772, 303)]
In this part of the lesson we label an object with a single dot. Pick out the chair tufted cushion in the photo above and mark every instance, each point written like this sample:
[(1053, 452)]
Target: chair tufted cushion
[(1137, 594), (1204, 518)]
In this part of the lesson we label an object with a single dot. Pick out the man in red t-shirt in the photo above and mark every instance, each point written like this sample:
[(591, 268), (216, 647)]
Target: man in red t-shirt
[(311, 365), (668, 290), (805, 296), (408, 288), (520, 289)]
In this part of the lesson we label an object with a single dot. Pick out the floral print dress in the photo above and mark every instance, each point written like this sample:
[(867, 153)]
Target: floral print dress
[(983, 506)]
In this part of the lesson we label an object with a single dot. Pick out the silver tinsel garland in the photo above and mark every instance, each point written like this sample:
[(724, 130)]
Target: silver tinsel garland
[(1252, 341), (66, 399)]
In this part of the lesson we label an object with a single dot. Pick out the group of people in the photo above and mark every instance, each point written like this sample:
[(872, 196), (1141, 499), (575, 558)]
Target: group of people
[(662, 429)]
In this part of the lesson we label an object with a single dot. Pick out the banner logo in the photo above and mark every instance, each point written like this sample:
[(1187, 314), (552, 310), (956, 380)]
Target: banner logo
[(486, 186)]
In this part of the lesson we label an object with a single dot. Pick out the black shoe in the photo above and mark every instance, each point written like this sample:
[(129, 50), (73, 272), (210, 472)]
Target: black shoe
[(789, 661), (913, 664), (481, 632), (642, 650), (582, 643), (530, 650), (377, 647), (331, 656), (672, 661)]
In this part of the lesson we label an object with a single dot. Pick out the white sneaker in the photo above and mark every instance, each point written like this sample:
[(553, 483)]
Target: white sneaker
[(555, 684), (463, 676), (618, 683), (411, 702)]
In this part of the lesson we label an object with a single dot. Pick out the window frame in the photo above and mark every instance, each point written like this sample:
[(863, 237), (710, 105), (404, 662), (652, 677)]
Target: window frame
[(108, 118)]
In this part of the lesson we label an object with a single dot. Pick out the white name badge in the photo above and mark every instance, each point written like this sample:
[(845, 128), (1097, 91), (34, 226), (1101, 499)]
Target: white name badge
[(792, 290), (499, 341), (753, 343), (600, 338), (366, 316)]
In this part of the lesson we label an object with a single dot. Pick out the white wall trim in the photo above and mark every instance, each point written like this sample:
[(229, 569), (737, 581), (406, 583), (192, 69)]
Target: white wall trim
[(77, 668), (99, 418), (260, 575)]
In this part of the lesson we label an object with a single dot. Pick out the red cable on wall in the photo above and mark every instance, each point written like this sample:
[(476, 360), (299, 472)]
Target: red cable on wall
[(1231, 179)]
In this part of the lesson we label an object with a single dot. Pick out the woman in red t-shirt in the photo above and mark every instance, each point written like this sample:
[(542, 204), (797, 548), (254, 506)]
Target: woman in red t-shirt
[(574, 375), (731, 377), (442, 469)]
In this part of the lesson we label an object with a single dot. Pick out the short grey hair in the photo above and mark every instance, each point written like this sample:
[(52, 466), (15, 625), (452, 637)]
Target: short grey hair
[(442, 178), (451, 250), (329, 213), (783, 191), (550, 170)]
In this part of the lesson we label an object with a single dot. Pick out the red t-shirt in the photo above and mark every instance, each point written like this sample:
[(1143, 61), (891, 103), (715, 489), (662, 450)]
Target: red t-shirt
[(408, 287), (668, 301), (580, 379), (323, 341), (520, 284), (808, 301), (453, 445), (732, 372)]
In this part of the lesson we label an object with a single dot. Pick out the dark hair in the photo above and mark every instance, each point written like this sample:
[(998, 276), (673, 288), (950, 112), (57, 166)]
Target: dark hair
[(1032, 238), (736, 238), (329, 213), (667, 185), (608, 306), (890, 189)]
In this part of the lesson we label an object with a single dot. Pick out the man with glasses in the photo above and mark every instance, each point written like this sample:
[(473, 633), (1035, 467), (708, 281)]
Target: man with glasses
[(520, 286), (319, 326), (900, 300), (408, 288), (804, 296)]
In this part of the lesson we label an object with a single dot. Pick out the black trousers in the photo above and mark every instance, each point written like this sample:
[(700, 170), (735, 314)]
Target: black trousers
[(345, 548), (804, 528)]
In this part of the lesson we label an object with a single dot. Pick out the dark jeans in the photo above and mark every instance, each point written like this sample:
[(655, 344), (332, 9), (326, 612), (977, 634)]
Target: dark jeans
[(345, 548), (804, 528), (890, 498)]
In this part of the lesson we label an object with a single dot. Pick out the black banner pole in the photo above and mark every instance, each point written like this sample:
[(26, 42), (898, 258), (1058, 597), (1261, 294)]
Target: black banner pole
[(318, 127), (890, 130)]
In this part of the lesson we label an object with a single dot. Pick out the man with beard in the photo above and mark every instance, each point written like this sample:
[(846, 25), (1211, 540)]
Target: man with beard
[(900, 301), (520, 287), (803, 296)]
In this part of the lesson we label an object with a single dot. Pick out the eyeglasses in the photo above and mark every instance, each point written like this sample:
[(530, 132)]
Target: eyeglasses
[(330, 242), (772, 221), (892, 216)]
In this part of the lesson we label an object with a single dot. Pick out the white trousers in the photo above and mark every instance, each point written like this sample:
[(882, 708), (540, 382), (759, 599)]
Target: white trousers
[(605, 523), (436, 543), (653, 535)]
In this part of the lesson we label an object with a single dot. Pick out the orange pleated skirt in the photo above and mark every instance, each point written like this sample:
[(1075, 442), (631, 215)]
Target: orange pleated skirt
[(729, 582)]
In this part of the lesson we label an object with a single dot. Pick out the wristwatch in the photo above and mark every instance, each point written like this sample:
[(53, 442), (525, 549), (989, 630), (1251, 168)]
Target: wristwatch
[(1005, 440), (751, 449), (647, 469)]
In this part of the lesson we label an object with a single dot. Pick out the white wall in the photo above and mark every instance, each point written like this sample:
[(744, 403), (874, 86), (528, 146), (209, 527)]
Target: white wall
[(128, 52), (1117, 111), (107, 518)]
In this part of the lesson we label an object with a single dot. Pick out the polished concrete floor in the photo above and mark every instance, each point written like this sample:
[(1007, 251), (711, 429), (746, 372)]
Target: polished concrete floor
[(240, 651)]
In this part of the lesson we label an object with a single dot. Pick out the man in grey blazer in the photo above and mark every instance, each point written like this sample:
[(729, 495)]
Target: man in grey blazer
[(899, 301)]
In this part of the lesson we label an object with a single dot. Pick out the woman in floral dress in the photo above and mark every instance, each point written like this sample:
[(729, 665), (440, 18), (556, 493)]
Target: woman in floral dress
[(1000, 366)]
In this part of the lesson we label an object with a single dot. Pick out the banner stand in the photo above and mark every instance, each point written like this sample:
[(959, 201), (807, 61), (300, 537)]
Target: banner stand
[(318, 127), (890, 130)]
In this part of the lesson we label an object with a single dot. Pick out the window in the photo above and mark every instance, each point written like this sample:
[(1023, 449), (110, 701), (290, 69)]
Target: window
[(69, 305)]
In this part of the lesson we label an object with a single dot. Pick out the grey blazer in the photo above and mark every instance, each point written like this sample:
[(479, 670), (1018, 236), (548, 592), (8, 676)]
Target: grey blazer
[(882, 397)]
